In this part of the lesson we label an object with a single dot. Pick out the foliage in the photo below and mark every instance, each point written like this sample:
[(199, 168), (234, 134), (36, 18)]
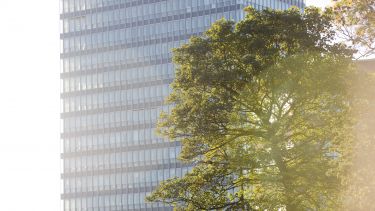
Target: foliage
[(356, 19), (359, 183), (261, 109)]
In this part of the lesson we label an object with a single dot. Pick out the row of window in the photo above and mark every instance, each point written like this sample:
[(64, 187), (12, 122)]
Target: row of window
[(99, 20), (130, 15), (78, 5), (119, 202), (118, 160), (113, 78), (108, 99), (116, 57), (140, 33), (163, 6), (121, 160), (114, 119), (144, 9), (128, 138), (274, 4)]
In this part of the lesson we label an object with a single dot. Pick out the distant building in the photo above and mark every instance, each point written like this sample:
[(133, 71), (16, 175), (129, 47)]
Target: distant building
[(116, 72)]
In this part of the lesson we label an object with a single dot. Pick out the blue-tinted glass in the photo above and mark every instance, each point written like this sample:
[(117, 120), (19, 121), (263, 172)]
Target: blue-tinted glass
[(116, 71)]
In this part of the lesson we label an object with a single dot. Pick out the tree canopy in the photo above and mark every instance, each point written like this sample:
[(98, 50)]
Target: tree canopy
[(356, 20), (261, 108)]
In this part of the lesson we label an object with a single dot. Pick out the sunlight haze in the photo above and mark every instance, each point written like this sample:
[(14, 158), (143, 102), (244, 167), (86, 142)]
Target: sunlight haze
[(30, 105)]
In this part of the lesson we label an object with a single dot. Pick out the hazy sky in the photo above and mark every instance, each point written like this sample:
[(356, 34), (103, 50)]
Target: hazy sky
[(30, 105), (318, 3)]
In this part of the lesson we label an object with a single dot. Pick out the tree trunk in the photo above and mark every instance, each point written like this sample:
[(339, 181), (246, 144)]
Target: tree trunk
[(285, 180)]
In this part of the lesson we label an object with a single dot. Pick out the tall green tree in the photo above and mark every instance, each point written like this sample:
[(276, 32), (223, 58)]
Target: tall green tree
[(261, 110), (356, 21)]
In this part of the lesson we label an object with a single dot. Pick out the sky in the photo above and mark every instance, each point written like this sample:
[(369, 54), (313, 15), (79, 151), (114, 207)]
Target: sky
[(318, 3), (30, 104)]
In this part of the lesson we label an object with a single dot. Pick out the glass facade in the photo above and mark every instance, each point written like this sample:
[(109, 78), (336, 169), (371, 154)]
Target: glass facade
[(116, 71)]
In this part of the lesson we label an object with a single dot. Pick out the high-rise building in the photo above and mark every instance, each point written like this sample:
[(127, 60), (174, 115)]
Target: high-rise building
[(116, 68)]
